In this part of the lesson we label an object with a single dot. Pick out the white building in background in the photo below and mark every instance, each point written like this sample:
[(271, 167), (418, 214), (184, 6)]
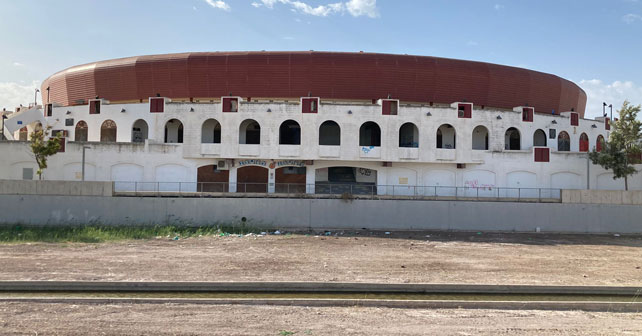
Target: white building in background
[(313, 145)]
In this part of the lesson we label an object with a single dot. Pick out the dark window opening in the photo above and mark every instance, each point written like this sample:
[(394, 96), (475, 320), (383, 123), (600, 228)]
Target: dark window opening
[(250, 133), (527, 114), (563, 142), (464, 111), (512, 139), (480, 138), (211, 131), (139, 131), (174, 131), (309, 105), (539, 138), (446, 137), (290, 133), (575, 119), (409, 136), (329, 134), (370, 134), (80, 134), (49, 110), (108, 131), (230, 104)]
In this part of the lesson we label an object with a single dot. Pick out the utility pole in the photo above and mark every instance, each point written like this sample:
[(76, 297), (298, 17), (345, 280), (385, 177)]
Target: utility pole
[(35, 98)]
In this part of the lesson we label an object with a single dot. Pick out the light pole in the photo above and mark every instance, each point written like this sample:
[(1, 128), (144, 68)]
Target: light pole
[(611, 107), (3, 118), (35, 98), (83, 161)]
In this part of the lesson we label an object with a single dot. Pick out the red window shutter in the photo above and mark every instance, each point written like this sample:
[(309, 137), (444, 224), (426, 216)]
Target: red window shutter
[(542, 155), (546, 155), (385, 107), (468, 111), (527, 115), (156, 105), (227, 104), (309, 105), (62, 145), (607, 124), (92, 107), (538, 155), (575, 119)]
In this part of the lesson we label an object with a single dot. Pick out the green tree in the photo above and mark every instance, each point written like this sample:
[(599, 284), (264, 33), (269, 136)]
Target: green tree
[(42, 149), (622, 150)]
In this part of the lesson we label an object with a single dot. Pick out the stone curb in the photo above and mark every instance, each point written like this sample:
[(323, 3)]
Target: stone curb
[(313, 287), (614, 307)]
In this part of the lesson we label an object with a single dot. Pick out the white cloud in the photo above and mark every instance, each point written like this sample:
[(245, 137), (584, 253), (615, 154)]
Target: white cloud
[(13, 94), (353, 7), (498, 7), (17, 64), (219, 4), (615, 93), (631, 18)]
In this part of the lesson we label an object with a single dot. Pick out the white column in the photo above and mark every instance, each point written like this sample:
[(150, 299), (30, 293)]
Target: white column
[(232, 179), (310, 179), (271, 180)]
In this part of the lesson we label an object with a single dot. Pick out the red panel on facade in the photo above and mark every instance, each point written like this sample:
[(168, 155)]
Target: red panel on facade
[(527, 114), (230, 104), (332, 75), (94, 107), (465, 111), (542, 155), (575, 119), (310, 105), (156, 105), (389, 107), (607, 124)]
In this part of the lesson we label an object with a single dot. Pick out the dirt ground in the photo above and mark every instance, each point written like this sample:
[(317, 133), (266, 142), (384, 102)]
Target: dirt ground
[(146, 319), (352, 257)]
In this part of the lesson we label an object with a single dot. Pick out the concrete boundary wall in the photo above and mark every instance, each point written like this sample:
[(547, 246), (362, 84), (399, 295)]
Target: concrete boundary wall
[(602, 197), (62, 188), (322, 214)]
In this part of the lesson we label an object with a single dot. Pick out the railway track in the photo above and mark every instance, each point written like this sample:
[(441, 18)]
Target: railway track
[(586, 298)]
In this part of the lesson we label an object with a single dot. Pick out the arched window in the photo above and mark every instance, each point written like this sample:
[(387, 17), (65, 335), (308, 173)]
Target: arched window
[(329, 134), (211, 131), (370, 134), (174, 131), (250, 132), (563, 142), (480, 138), (599, 143), (108, 131), (446, 137), (512, 139), (539, 138), (24, 134), (140, 131), (409, 135), (290, 133), (81, 132), (584, 142)]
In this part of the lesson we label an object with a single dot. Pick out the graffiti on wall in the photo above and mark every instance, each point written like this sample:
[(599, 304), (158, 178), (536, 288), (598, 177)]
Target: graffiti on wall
[(476, 184)]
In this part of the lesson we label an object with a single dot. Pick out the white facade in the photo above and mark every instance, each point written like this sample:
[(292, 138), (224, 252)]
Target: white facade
[(419, 163)]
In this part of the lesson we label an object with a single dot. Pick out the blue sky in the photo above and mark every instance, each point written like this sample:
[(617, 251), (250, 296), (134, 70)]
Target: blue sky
[(595, 43)]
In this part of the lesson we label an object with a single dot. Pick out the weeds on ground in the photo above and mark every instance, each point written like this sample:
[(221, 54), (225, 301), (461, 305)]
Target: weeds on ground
[(98, 234)]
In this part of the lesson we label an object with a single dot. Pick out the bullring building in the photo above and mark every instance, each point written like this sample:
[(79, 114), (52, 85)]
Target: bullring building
[(313, 122)]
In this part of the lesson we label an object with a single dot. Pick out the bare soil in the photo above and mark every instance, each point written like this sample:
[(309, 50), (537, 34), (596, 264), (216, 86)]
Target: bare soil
[(478, 258), (170, 319)]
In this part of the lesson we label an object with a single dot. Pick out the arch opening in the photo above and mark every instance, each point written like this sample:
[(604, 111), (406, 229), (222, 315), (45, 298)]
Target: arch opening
[(599, 143), (584, 142), (211, 131), (108, 131), (81, 132), (563, 142), (446, 137), (512, 139), (370, 134), (409, 136), (329, 134), (480, 138), (140, 131), (252, 179), (250, 132), (174, 131), (290, 133), (539, 138), (211, 179)]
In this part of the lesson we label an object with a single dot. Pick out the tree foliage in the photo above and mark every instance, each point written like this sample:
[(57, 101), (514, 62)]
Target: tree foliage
[(622, 150), (43, 147)]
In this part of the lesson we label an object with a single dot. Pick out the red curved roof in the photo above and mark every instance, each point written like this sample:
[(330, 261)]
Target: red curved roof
[(329, 75)]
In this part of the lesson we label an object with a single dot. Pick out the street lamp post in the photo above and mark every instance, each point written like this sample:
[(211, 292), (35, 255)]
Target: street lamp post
[(83, 161), (35, 98), (3, 118), (611, 107)]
